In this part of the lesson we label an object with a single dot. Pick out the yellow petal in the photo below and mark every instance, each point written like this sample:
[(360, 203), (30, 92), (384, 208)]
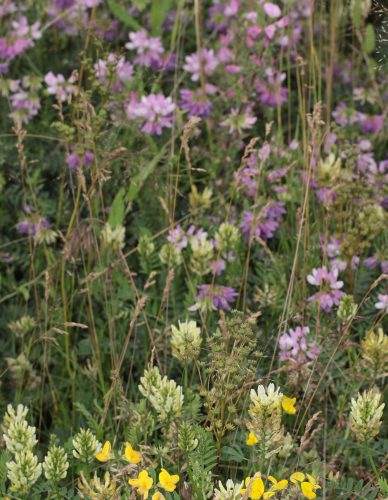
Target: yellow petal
[(132, 456), (288, 405), (297, 476), (268, 494), (280, 485), (272, 479), (251, 440), (307, 490), (313, 481), (105, 454)]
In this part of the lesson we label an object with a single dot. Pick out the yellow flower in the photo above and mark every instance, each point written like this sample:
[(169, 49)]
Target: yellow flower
[(251, 440), (168, 481), (288, 405), (308, 490), (105, 454), (278, 485), (297, 476), (158, 496), (309, 487), (143, 482), (130, 455), (256, 489)]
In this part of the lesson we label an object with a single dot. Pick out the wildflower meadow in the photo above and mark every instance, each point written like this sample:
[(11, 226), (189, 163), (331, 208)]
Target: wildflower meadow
[(193, 249)]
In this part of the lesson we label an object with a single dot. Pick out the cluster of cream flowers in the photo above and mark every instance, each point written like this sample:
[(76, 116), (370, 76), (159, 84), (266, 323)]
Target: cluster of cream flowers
[(165, 396), (186, 341), (20, 439)]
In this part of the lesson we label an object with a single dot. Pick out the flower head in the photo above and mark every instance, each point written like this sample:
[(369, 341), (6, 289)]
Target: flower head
[(155, 111), (186, 340), (106, 453), (132, 456), (365, 415), (251, 439), (230, 491), (288, 405), (382, 303), (167, 481), (329, 294), (143, 482), (214, 297), (254, 487)]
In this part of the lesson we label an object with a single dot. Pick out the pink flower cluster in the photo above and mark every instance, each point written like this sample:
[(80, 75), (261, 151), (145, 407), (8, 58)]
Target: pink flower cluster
[(329, 293), (295, 345), (154, 111)]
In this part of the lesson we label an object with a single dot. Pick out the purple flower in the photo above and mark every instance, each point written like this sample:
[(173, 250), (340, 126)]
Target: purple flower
[(329, 294), (263, 224), (74, 161), (214, 297), (382, 303), (154, 110), (271, 93), (32, 225), (149, 49), (371, 124), (193, 63), (294, 345), (195, 102)]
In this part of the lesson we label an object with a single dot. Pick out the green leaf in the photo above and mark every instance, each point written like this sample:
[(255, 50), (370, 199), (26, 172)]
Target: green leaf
[(122, 15), (139, 179), (159, 11), (232, 454), (116, 215), (370, 39), (356, 13)]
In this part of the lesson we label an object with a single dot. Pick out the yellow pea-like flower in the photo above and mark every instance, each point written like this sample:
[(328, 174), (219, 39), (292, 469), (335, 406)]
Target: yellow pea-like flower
[(168, 481), (132, 456), (106, 453), (251, 439)]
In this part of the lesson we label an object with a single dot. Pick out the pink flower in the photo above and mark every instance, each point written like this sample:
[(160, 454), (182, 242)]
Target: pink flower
[(149, 49), (272, 10), (329, 294), (382, 303), (294, 345), (271, 92), (57, 85), (193, 63), (154, 110)]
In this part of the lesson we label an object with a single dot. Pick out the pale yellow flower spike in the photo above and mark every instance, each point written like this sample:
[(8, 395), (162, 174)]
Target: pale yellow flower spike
[(251, 439), (288, 405), (105, 454), (132, 456), (167, 481)]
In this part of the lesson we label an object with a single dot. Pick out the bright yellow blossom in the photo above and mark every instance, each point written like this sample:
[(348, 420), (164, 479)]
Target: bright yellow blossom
[(288, 405), (256, 489), (132, 456), (297, 477), (251, 439), (278, 485), (167, 481), (143, 482), (106, 453), (309, 487), (158, 496), (308, 490)]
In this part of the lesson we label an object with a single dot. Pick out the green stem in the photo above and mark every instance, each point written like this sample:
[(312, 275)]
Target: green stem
[(372, 462)]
